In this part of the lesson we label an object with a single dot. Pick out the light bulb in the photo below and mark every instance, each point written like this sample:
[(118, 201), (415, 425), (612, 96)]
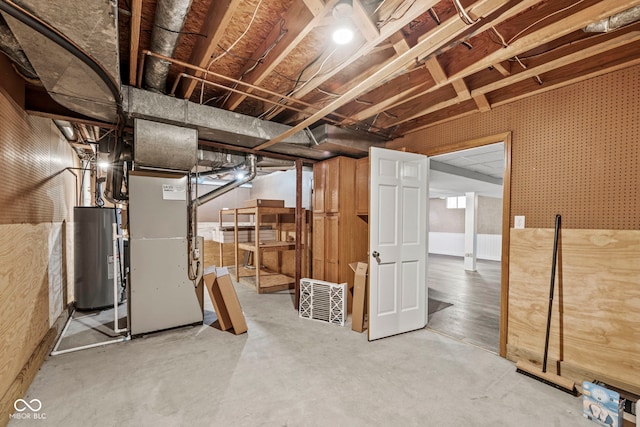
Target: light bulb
[(343, 35)]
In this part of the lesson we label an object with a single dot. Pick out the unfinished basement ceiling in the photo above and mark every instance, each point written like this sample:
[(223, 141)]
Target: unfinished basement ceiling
[(411, 65)]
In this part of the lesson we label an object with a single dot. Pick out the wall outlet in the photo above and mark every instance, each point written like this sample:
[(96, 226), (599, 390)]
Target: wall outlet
[(518, 221)]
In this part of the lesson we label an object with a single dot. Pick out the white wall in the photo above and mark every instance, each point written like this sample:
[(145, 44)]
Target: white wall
[(489, 245)]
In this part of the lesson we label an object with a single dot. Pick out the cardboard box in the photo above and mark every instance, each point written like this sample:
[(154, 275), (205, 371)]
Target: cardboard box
[(359, 296), (602, 406), (264, 203), (225, 300)]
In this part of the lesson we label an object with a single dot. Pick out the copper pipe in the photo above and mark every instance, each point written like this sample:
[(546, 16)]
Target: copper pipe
[(140, 69), (249, 85), (249, 94)]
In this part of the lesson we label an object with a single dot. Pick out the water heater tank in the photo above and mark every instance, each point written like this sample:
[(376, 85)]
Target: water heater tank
[(93, 257)]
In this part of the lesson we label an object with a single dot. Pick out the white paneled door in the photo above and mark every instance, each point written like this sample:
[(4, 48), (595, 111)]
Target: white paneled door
[(398, 227)]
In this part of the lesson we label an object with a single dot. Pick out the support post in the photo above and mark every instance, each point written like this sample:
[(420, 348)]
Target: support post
[(470, 231), (299, 237)]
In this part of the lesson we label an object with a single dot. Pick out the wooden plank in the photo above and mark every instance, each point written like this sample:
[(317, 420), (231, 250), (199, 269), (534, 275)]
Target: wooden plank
[(24, 296), (300, 19), (215, 25), (595, 321), (482, 102), (461, 89), (578, 55), (439, 36), (18, 388), (436, 70), (392, 27), (576, 21), (300, 216), (136, 17), (502, 69), (360, 16)]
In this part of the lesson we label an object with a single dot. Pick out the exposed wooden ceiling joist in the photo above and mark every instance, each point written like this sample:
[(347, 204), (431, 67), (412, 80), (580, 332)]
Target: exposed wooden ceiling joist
[(392, 27), (214, 27), (439, 37), (546, 34), (136, 17), (299, 20)]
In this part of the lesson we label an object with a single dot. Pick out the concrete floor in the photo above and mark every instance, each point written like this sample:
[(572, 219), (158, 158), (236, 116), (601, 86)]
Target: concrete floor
[(288, 371)]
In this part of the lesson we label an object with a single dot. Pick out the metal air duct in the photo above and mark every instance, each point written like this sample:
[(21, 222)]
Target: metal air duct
[(250, 163), (10, 46), (169, 20)]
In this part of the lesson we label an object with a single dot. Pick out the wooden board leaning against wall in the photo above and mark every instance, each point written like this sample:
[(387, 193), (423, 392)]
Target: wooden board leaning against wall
[(596, 322)]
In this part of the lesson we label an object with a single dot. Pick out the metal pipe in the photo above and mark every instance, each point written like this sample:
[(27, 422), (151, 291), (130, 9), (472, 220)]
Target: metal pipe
[(251, 161), (12, 48)]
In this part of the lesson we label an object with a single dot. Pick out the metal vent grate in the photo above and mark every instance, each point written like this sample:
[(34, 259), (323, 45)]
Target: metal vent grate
[(323, 301)]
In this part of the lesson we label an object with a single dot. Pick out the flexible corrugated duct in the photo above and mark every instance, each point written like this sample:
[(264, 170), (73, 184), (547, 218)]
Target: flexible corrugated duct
[(615, 21), (169, 20)]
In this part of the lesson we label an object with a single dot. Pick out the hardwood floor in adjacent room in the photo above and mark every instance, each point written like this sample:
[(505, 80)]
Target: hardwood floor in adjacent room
[(465, 305)]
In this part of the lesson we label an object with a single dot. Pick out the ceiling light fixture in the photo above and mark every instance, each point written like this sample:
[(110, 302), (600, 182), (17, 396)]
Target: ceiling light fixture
[(342, 11)]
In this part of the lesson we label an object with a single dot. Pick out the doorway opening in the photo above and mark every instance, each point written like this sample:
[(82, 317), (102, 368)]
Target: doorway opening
[(465, 244)]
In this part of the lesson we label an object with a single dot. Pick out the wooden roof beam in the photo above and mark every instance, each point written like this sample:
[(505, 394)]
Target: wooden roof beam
[(548, 33), (215, 25), (479, 95), (301, 18), (482, 102), (136, 17), (416, 9), (382, 106), (499, 66), (439, 36), (632, 61), (578, 55)]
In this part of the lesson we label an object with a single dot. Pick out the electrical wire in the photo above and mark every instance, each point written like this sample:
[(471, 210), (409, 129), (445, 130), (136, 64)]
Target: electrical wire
[(542, 19), (391, 18), (463, 13), (503, 42), (224, 51)]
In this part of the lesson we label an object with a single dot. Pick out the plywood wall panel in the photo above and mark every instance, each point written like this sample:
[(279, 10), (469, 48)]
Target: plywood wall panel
[(24, 295), (37, 196), (595, 320), (575, 151)]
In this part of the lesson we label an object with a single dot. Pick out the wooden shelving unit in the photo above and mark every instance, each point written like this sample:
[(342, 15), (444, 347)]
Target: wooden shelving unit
[(265, 280)]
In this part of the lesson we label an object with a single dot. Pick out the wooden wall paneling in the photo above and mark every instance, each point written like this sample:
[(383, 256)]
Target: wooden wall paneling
[(36, 257), (362, 186), (23, 380), (575, 151), (317, 263), (24, 295), (596, 322), (333, 182), (319, 173), (332, 249)]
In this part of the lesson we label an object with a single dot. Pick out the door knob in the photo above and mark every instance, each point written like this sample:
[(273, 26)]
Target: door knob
[(375, 254)]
